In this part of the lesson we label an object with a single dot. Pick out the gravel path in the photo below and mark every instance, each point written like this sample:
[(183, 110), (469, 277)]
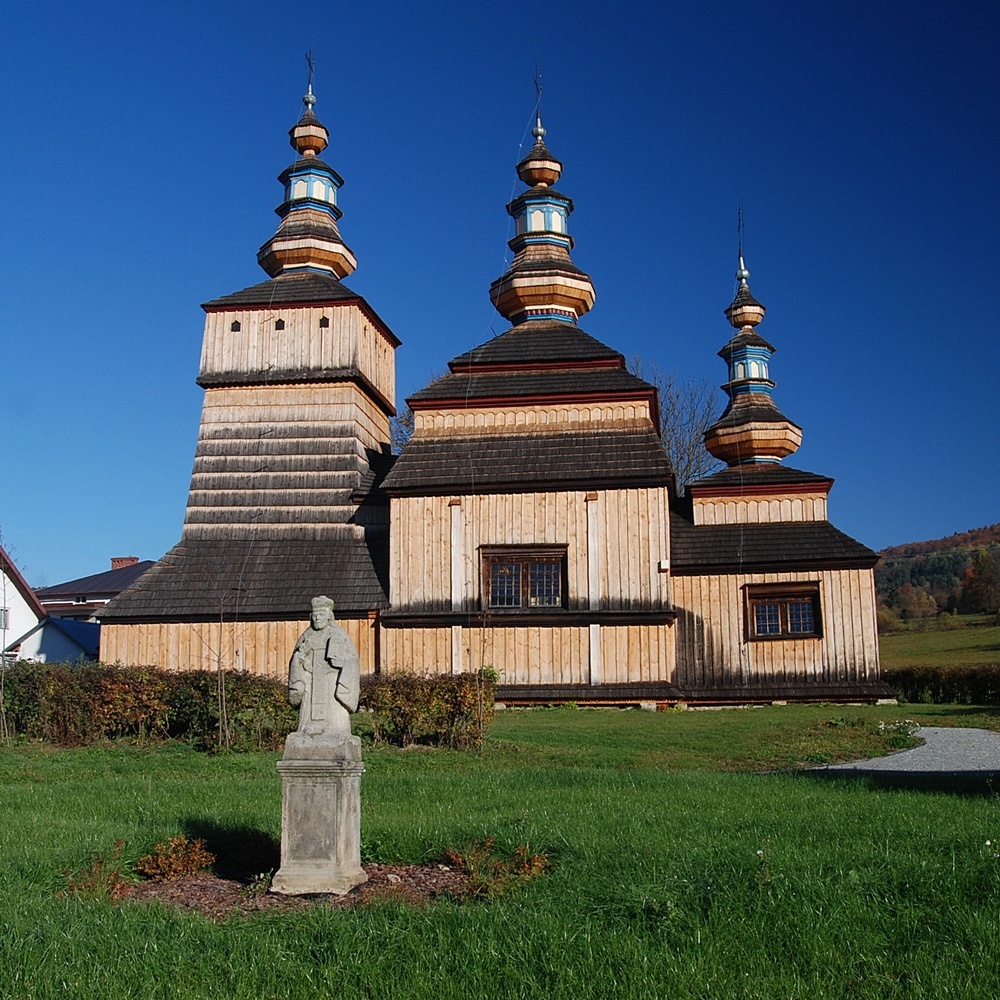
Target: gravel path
[(960, 760)]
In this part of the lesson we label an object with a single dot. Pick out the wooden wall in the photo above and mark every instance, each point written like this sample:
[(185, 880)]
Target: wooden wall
[(757, 510), (536, 654), (712, 651), (352, 340), (490, 420), (615, 542), (258, 647)]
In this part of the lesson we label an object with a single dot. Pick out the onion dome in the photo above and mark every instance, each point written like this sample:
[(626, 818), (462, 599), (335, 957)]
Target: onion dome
[(752, 429), (542, 283), (308, 238)]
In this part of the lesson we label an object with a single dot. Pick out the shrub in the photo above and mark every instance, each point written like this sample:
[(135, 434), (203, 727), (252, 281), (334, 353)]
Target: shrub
[(77, 705), (450, 710), (960, 685), (177, 858)]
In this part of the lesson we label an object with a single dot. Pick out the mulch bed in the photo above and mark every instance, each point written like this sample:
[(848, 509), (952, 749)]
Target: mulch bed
[(219, 898)]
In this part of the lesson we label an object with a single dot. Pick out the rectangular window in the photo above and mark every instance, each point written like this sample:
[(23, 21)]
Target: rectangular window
[(4, 619), (524, 578), (776, 611)]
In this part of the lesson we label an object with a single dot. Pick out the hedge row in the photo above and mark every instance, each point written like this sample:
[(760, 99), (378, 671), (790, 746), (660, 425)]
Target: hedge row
[(93, 702), (449, 710), (76, 705), (972, 685)]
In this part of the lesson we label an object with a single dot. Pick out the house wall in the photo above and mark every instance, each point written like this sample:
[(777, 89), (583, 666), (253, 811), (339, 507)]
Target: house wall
[(712, 649), (258, 647), (21, 616)]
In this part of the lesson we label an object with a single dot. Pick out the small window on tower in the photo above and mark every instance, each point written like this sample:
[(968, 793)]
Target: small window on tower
[(235, 326), (279, 324), (324, 322)]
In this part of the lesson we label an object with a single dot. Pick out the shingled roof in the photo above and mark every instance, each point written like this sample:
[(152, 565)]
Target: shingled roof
[(297, 287), (269, 579), (784, 546), (576, 459), (759, 474), (539, 342), (521, 385), (111, 581)]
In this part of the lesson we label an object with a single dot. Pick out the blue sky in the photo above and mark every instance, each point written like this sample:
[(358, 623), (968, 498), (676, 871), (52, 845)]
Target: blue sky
[(138, 167)]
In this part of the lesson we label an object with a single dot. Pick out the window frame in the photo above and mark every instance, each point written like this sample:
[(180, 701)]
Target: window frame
[(525, 557), (783, 597)]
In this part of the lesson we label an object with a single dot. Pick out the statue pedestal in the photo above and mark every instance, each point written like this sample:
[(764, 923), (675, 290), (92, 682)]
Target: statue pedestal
[(320, 817)]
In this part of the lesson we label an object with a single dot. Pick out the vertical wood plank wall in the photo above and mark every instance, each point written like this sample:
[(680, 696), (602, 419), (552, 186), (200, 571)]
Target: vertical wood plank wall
[(257, 647), (758, 510), (352, 340), (710, 632), (535, 655), (633, 539)]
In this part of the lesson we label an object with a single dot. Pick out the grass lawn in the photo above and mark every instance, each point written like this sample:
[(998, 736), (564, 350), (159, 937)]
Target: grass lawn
[(680, 868), (977, 643)]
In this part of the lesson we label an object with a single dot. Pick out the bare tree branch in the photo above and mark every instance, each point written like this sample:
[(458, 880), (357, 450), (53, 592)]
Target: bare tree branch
[(687, 410)]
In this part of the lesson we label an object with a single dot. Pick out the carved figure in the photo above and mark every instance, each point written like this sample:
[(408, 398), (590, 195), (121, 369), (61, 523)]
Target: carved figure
[(324, 678)]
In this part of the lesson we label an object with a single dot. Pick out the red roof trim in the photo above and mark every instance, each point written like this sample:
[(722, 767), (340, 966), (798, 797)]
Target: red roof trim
[(470, 402), (760, 489)]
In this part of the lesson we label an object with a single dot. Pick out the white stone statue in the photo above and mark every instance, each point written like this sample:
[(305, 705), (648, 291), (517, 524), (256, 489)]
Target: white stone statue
[(321, 768), (324, 678)]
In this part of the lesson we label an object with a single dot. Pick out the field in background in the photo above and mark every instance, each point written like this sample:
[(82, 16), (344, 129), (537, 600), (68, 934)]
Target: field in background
[(679, 869), (975, 641)]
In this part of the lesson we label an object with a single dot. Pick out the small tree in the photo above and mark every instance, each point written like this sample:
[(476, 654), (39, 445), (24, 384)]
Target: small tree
[(981, 589)]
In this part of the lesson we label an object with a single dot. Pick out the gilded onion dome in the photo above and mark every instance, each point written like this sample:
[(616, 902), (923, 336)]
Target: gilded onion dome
[(752, 429), (308, 238), (542, 282)]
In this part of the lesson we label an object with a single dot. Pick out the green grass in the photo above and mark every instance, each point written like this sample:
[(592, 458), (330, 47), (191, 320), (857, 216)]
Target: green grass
[(976, 643), (653, 822)]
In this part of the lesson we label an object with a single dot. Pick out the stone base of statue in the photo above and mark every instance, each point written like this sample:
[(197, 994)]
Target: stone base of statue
[(320, 815)]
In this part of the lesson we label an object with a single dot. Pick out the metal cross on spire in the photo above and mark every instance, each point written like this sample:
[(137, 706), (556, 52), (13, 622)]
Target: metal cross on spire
[(538, 132)]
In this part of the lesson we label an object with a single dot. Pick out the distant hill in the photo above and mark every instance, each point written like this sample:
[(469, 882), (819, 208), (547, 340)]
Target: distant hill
[(974, 539), (920, 579)]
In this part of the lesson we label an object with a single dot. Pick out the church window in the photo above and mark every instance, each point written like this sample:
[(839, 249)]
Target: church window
[(235, 326), (775, 611), (537, 221), (299, 189), (524, 578), (279, 324), (324, 322)]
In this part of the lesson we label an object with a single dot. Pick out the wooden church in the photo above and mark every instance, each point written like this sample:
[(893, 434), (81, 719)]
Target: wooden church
[(530, 525)]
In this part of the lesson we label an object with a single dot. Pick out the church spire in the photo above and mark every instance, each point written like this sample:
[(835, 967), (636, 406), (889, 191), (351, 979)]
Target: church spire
[(752, 429), (542, 281), (308, 238)]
